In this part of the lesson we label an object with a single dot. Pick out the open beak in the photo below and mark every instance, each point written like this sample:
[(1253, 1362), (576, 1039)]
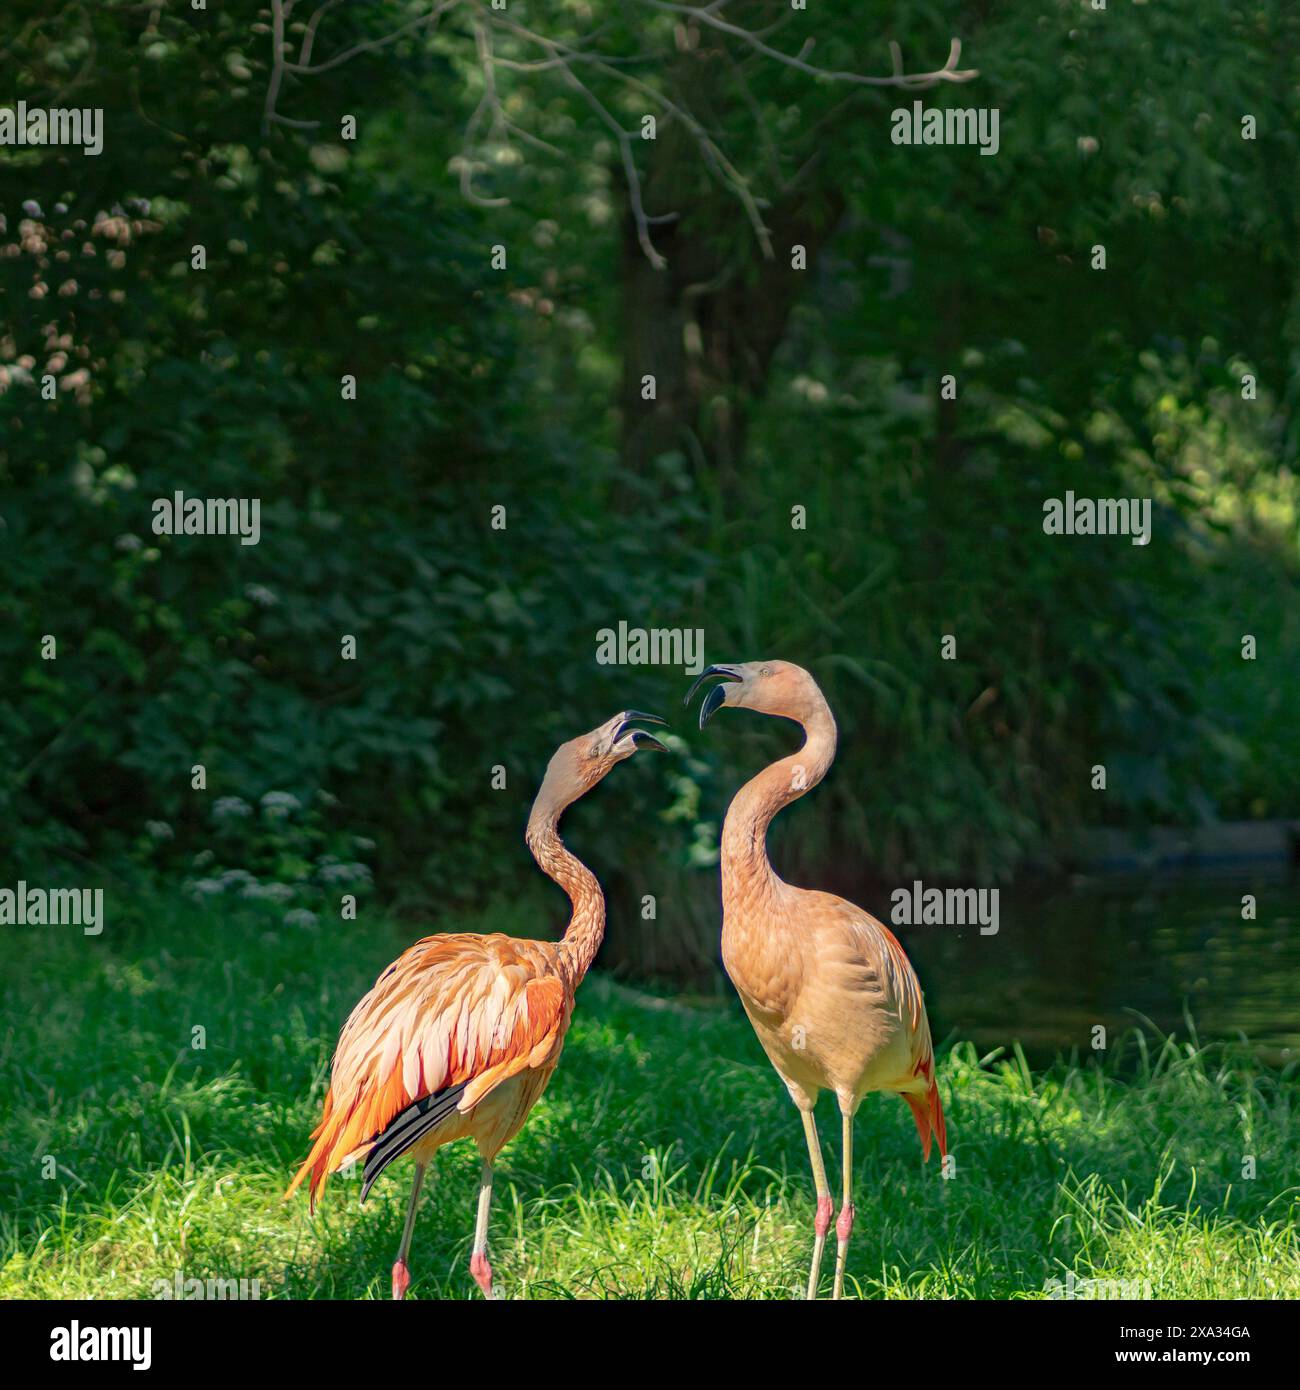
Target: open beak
[(716, 697), (640, 739)]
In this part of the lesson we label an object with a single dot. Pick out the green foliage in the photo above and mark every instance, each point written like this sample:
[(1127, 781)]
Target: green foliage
[(178, 651), (480, 388)]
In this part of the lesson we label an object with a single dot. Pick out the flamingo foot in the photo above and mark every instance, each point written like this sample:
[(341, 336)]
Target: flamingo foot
[(482, 1272), (401, 1280)]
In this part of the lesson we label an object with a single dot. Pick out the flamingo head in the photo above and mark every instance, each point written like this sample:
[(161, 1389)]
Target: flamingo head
[(768, 687), (576, 766)]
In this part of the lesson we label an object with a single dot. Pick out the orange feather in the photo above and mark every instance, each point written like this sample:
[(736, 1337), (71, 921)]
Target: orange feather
[(458, 1008), (928, 1112)]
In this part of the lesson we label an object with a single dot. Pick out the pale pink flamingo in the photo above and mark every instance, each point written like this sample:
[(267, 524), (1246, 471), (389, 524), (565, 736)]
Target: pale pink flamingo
[(830, 992)]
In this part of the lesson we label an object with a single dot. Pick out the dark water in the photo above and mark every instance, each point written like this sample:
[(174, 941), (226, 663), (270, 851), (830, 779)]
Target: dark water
[(1115, 950)]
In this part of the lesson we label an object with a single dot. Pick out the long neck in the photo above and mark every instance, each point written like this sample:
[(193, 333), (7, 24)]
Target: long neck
[(744, 832), (586, 927)]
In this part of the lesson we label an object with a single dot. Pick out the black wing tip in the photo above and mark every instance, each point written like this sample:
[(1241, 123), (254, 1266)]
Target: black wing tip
[(405, 1128)]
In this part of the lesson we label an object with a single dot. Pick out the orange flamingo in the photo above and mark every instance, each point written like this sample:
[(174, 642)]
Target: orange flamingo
[(830, 992), (460, 1035)]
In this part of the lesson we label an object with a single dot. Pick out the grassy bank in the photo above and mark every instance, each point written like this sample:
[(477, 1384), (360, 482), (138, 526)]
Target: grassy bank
[(665, 1160)]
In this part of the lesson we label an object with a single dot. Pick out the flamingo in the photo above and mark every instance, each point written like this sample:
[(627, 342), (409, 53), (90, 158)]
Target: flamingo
[(828, 989), (461, 1033)]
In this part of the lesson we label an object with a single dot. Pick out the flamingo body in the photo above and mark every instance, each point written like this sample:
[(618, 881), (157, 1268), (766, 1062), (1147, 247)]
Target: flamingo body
[(830, 992), (460, 1035), (481, 1016), (833, 1000)]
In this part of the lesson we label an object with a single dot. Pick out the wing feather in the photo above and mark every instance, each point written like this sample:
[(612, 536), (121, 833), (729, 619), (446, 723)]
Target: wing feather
[(458, 1013), (920, 1089)]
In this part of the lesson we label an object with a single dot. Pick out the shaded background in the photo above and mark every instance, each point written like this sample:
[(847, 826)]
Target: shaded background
[(520, 387)]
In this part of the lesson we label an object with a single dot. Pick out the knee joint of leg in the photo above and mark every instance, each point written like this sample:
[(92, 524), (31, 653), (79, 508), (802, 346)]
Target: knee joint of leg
[(482, 1271), (823, 1221)]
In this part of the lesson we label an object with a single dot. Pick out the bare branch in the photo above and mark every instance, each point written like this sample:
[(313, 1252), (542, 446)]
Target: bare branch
[(304, 52), (489, 121), (487, 102), (424, 21), (717, 162), (630, 171), (280, 11), (912, 82), (277, 61)]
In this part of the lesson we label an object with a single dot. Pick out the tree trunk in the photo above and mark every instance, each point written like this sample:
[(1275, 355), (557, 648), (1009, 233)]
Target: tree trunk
[(699, 335)]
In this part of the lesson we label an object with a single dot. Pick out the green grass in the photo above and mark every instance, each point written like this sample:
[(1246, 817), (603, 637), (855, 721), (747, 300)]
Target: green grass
[(665, 1161)]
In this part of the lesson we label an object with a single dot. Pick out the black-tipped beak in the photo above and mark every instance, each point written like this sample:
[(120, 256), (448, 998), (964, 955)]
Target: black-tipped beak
[(725, 672), (713, 701), (716, 697), (632, 715), (640, 739)]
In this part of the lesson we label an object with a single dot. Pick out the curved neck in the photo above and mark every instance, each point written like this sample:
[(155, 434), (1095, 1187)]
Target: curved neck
[(744, 832), (586, 927)]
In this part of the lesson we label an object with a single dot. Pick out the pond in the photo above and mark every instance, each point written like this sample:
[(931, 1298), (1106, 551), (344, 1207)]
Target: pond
[(1114, 951)]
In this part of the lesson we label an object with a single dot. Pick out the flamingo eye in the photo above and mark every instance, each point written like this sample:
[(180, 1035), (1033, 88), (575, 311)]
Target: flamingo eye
[(766, 671)]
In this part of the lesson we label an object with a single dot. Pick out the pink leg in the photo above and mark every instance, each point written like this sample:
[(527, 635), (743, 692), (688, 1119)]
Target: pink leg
[(482, 1272), (478, 1259), (401, 1273), (844, 1226), (822, 1223)]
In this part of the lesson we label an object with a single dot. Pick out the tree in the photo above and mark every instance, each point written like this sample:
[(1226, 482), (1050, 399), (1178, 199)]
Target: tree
[(714, 211)]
